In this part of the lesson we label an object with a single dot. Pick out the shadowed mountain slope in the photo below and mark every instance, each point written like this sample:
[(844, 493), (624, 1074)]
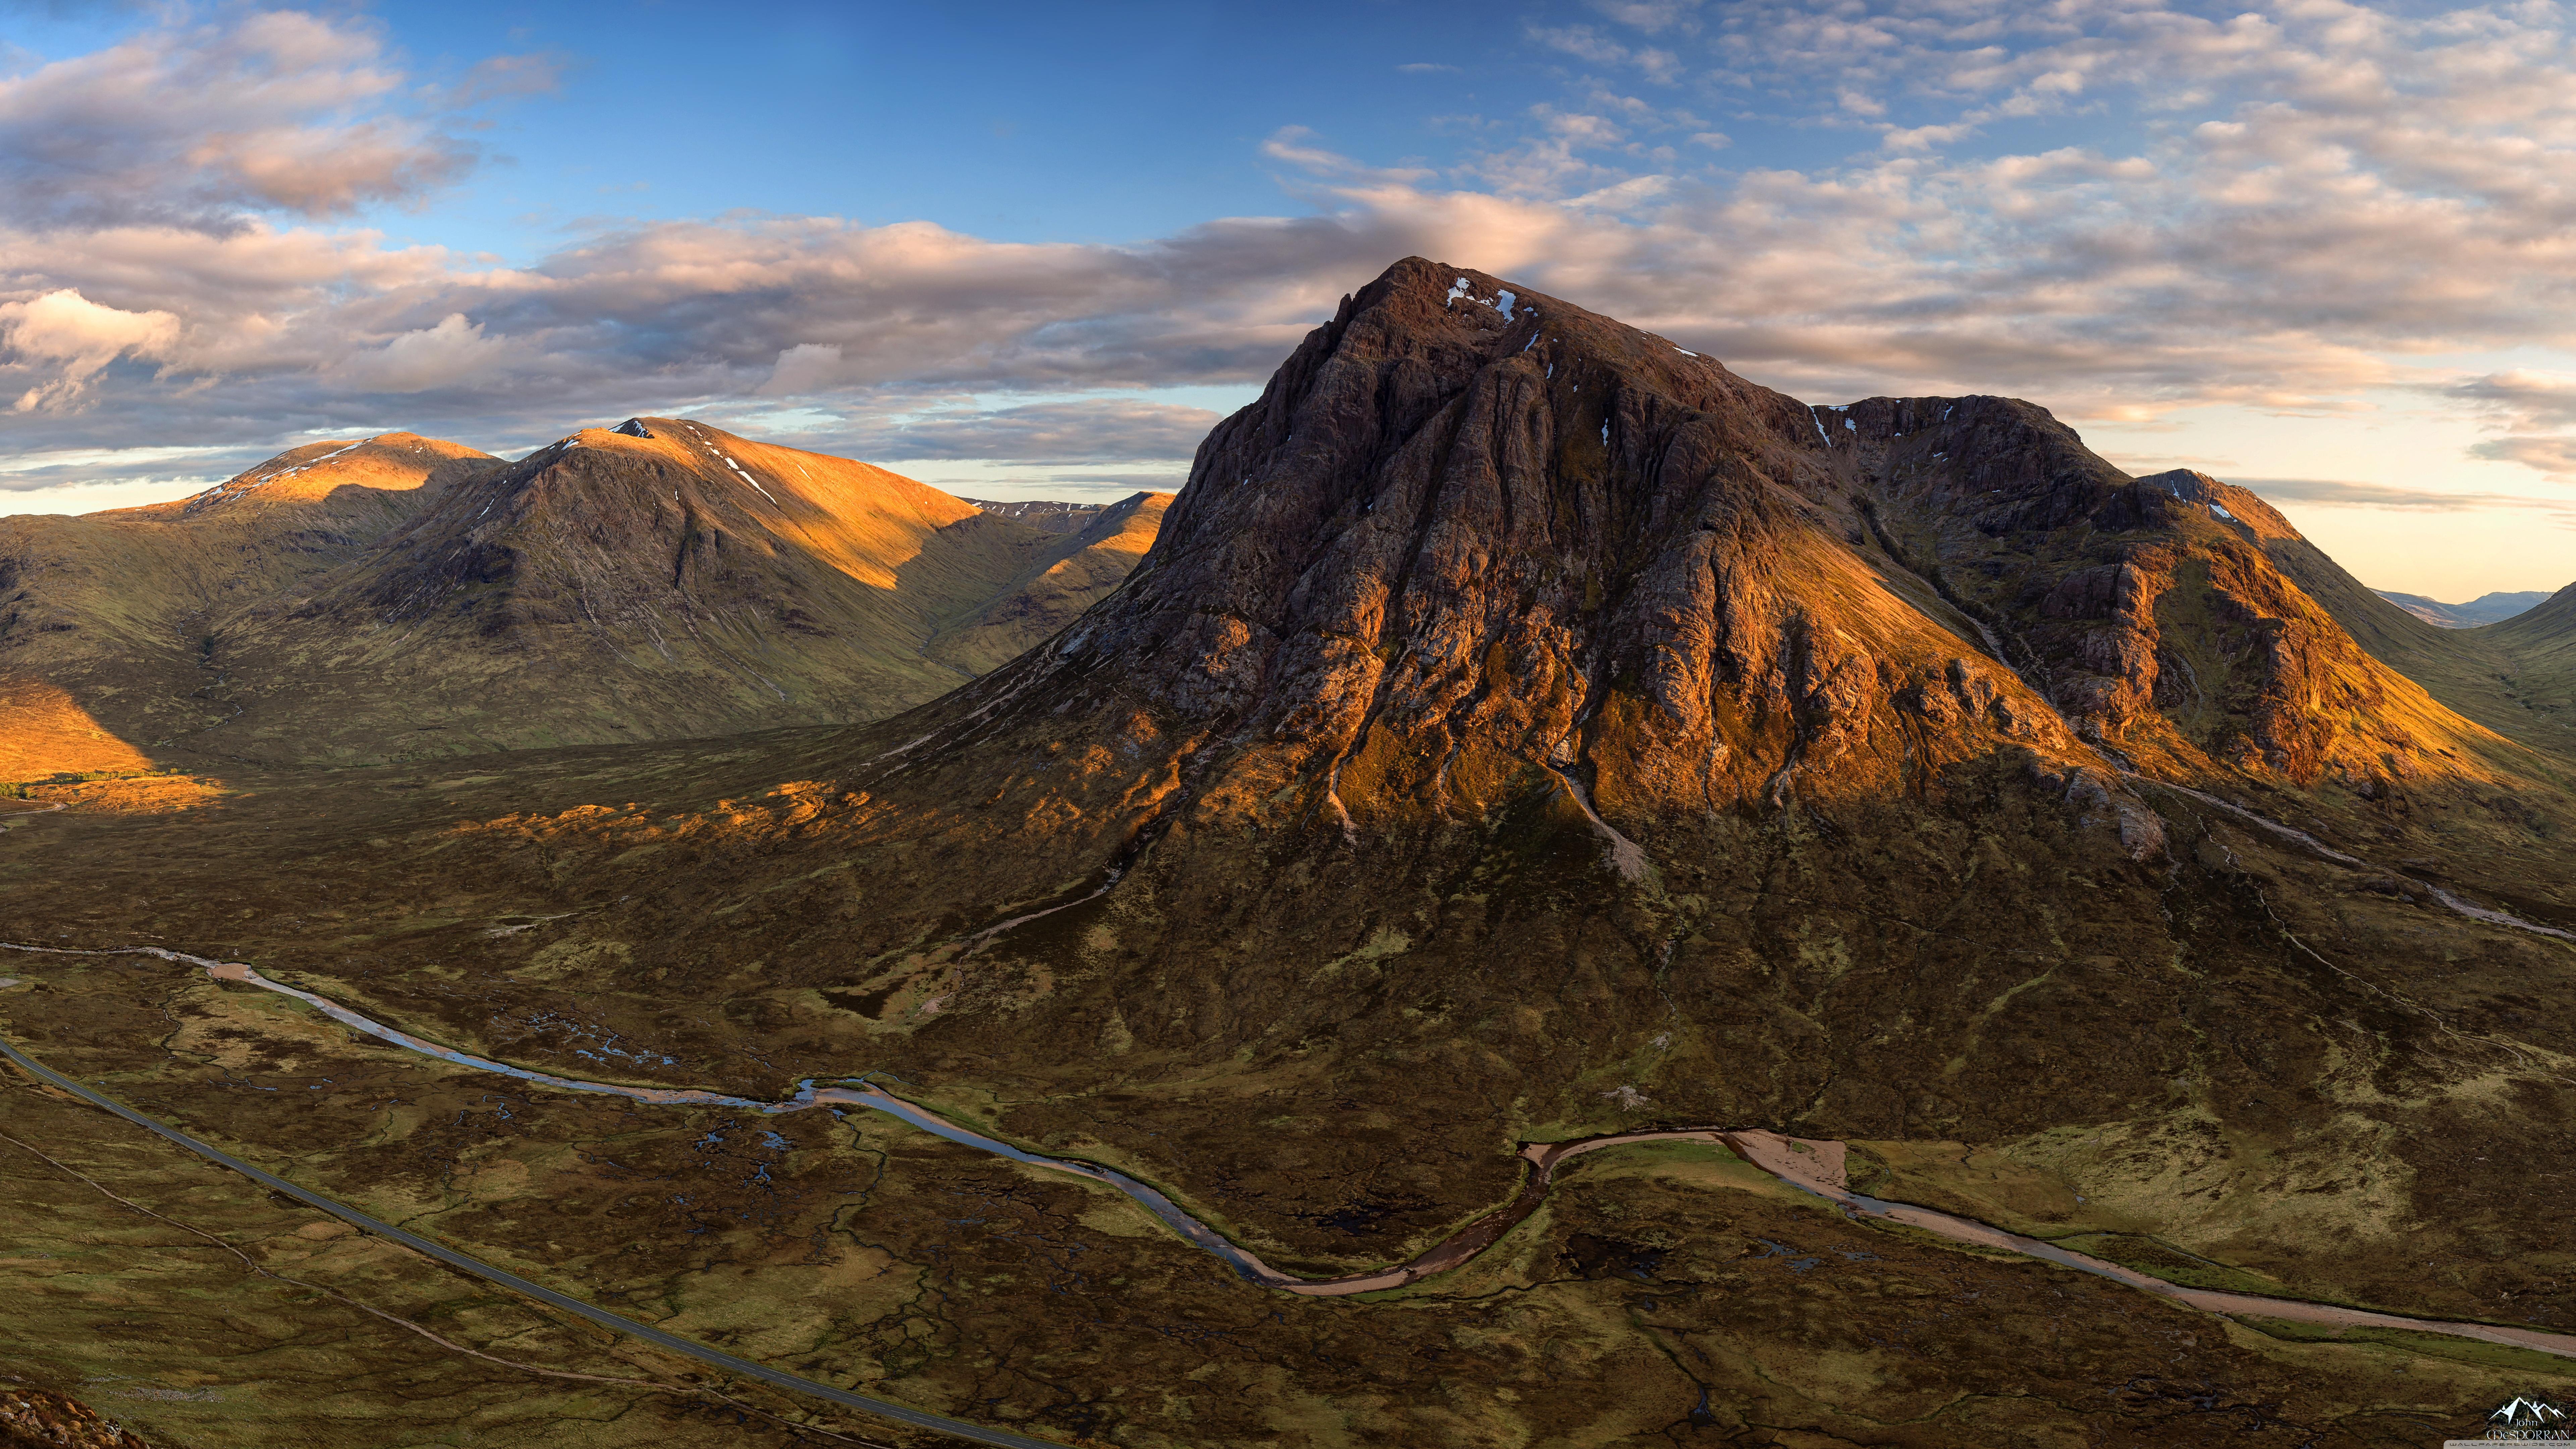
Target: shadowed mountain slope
[(2481, 672), (108, 618), (660, 580), (1060, 582), (1523, 728), (2536, 651)]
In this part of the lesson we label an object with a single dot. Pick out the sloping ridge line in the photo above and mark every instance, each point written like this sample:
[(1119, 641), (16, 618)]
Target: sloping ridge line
[(614, 1322)]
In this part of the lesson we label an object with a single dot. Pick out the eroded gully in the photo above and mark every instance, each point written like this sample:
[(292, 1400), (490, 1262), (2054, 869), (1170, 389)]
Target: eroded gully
[(1811, 1166)]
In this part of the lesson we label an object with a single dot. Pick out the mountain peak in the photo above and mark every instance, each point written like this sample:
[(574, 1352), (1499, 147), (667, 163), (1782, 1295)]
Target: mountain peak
[(396, 462), (1471, 530)]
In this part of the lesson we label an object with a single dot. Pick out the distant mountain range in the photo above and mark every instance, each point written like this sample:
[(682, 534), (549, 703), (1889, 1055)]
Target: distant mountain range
[(353, 602), (2484, 609)]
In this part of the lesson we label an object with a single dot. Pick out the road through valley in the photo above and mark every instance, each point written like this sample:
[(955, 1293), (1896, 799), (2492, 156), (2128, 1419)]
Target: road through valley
[(1811, 1166)]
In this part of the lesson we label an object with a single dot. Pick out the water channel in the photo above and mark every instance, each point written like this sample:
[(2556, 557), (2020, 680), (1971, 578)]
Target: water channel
[(1809, 1165)]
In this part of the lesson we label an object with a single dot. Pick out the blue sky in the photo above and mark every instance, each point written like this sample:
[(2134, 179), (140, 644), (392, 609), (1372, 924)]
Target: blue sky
[(1106, 123), (2318, 248)]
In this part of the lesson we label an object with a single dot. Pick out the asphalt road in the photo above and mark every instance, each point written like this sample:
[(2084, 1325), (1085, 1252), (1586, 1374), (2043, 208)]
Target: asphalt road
[(712, 1357)]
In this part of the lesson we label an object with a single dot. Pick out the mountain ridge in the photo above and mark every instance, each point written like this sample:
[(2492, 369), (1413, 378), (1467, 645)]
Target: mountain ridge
[(2490, 608), (662, 578)]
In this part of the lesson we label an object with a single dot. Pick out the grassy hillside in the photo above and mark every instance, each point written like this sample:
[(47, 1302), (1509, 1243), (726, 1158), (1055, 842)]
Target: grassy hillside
[(107, 620), (355, 603)]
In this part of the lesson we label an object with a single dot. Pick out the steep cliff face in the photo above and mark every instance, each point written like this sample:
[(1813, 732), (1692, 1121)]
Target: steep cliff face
[(1469, 530)]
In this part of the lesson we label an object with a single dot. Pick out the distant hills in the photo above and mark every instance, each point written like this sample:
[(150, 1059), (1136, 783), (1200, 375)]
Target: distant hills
[(2484, 609), (359, 602)]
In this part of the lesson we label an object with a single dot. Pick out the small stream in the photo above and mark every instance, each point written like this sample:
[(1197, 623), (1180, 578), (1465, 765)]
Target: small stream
[(1808, 1165)]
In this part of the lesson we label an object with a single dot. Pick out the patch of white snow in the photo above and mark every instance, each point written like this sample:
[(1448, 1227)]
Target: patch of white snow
[(1457, 289)]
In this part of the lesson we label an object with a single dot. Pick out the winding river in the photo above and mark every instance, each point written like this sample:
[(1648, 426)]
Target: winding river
[(1808, 1165)]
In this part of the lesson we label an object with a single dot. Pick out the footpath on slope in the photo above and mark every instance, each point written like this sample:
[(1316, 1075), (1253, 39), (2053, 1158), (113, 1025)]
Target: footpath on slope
[(1809, 1165)]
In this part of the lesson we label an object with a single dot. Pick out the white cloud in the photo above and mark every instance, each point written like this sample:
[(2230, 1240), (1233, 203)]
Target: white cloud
[(452, 353), (2282, 209), (807, 367), (260, 110), (75, 339)]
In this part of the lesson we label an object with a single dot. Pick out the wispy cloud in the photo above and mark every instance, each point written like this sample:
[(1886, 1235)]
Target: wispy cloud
[(2554, 457), (2277, 209), (1088, 431), (189, 124), (2332, 493)]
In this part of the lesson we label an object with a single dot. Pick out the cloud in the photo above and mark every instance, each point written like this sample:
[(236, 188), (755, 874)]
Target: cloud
[(1293, 145), (2526, 396), (1089, 431), (2554, 457), (75, 339), (177, 467), (2329, 493), (503, 78), (451, 353), (2278, 211), (1651, 16), (258, 111), (1584, 43), (806, 368), (1424, 67)]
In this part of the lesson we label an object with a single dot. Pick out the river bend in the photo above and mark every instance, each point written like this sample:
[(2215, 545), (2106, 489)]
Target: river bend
[(1811, 1166)]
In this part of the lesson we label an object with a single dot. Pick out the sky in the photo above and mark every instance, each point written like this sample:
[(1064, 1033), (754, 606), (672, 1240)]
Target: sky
[(2323, 250)]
